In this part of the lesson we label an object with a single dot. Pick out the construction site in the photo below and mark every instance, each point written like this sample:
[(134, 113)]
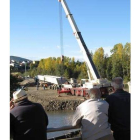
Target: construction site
[(60, 92)]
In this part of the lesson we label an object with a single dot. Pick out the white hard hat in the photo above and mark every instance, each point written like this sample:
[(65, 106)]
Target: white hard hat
[(19, 95)]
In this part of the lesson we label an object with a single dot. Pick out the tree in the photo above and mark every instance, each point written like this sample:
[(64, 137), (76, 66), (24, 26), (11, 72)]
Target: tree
[(109, 68), (83, 71), (117, 56), (99, 61), (126, 61)]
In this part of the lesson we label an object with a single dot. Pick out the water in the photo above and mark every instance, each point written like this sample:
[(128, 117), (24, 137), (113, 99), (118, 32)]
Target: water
[(58, 119)]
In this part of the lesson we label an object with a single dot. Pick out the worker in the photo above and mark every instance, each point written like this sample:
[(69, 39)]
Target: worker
[(28, 121), (92, 116), (44, 86), (119, 110), (37, 85)]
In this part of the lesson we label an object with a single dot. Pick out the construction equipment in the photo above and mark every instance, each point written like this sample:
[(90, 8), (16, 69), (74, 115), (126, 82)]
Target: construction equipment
[(52, 81), (103, 84)]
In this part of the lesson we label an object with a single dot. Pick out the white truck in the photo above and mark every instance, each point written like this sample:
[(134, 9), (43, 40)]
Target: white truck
[(54, 81)]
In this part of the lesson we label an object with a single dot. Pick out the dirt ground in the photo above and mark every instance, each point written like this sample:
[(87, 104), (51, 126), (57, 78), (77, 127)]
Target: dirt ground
[(50, 94), (51, 102)]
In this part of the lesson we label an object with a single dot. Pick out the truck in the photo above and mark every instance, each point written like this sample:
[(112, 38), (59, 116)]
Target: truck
[(103, 84), (52, 81)]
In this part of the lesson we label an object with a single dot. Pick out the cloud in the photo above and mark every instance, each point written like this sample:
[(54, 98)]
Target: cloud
[(107, 50)]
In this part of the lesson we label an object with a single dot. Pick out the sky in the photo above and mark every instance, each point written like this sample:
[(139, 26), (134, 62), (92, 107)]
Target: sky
[(35, 27)]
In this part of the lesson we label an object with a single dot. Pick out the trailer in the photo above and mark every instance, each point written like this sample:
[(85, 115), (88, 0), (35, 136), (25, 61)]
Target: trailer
[(52, 82), (84, 91)]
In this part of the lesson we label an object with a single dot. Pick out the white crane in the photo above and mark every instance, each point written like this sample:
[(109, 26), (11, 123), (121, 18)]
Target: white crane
[(80, 41), (97, 80)]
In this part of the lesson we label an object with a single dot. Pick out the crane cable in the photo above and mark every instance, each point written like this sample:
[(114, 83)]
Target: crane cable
[(61, 40), (61, 28)]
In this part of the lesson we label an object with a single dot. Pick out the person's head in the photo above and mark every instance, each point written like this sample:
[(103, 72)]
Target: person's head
[(95, 93), (19, 95), (117, 83)]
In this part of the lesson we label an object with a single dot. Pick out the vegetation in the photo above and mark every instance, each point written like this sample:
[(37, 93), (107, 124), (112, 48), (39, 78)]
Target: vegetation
[(117, 64)]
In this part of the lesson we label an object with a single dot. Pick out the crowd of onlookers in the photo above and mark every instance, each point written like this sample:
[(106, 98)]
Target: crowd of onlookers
[(97, 118)]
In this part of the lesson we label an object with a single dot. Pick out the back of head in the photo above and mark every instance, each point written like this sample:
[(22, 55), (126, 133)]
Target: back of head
[(117, 83), (19, 95), (95, 93)]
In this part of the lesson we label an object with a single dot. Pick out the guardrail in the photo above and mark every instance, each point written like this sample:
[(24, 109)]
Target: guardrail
[(49, 130)]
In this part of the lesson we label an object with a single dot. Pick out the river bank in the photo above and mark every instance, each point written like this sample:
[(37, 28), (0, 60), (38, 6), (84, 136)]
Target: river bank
[(51, 102)]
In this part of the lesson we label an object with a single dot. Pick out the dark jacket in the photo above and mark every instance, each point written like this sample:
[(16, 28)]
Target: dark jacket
[(119, 110), (28, 121)]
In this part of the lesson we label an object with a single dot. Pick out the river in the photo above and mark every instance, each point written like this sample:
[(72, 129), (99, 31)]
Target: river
[(58, 119)]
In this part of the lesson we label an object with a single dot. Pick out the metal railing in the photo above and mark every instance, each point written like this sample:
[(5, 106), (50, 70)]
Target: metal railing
[(49, 130), (63, 128)]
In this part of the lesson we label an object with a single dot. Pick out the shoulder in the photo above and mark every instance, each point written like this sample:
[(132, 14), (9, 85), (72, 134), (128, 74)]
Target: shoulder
[(14, 110), (110, 97), (103, 103), (83, 104), (92, 101), (126, 93), (117, 94), (38, 105)]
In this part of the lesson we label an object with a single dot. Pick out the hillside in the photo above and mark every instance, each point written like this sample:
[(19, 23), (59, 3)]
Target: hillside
[(18, 59)]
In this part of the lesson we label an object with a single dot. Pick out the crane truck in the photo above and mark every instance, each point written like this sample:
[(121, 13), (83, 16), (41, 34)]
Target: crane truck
[(103, 84)]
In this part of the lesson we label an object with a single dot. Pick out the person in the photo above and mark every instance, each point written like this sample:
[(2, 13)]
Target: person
[(119, 110), (44, 86), (92, 116), (37, 85), (28, 121)]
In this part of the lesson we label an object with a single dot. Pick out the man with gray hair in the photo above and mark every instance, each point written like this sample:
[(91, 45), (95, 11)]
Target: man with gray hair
[(119, 110), (92, 116)]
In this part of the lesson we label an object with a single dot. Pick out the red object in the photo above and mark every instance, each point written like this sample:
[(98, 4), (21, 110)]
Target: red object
[(80, 91), (74, 91), (64, 90)]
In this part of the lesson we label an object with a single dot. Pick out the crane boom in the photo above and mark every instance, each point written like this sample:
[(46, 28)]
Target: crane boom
[(80, 41)]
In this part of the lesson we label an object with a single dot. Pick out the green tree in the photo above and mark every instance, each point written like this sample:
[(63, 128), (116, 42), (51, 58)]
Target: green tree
[(99, 61), (109, 68), (117, 56), (83, 71), (126, 61)]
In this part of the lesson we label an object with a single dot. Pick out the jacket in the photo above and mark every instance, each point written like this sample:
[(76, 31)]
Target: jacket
[(28, 121), (119, 110), (92, 116)]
